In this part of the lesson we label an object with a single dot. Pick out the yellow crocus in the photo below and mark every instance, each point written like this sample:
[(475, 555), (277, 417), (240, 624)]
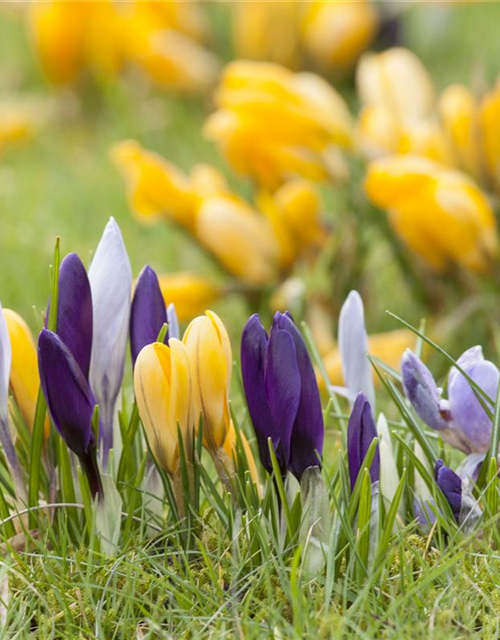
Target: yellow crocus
[(388, 347), (240, 238), (24, 378), (336, 33), (440, 214), (156, 189), (164, 394), (209, 350), (230, 452), (189, 292), (273, 124)]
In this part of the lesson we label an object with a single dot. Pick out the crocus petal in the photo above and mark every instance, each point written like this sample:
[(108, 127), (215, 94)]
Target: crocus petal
[(353, 345), (282, 378), (111, 282), (306, 445), (69, 398), (389, 477), (471, 420), (422, 392), (148, 314), (173, 322), (74, 311), (471, 466), (254, 341), (5, 363), (360, 434), (451, 486)]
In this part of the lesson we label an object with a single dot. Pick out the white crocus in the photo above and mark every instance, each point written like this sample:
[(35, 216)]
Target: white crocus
[(110, 278), (353, 345), (5, 434), (389, 476)]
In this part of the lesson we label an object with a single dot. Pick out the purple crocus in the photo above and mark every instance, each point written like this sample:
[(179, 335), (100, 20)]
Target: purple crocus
[(70, 402), (461, 420), (148, 313), (361, 431), (282, 394), (451, 486)]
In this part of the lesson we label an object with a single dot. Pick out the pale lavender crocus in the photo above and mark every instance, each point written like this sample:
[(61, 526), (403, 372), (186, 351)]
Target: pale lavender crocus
[(110, 278), (461, 419), (353, 346)]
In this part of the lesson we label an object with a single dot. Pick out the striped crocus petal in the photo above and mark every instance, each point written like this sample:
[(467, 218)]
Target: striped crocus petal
[(74, 311), (148, 313), (173, 322), (361, 431)]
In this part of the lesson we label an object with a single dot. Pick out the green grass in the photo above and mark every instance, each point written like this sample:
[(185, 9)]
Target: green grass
[(58, 586)]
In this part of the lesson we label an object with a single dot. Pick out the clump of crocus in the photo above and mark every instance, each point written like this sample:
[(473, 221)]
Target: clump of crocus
[(64, 365), (461, 420), (149, 313), (282, 395)]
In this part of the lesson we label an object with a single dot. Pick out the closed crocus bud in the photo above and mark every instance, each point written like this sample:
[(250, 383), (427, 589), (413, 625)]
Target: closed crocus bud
[(156, 189), (240, 239), (24, 378), (353, 346), (472, 425), (451, 486), (458, 109), (173, 322), (111, 283), (148, 313), (70, 401), (421, 390), (190, 293), (273, 124), (361, 432), (282, 394), (336, 33), (209, 351), (163, 390), (422, 198)]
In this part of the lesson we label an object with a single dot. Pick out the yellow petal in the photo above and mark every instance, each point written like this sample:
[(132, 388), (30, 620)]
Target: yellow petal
[(24, 378), (189, 292)]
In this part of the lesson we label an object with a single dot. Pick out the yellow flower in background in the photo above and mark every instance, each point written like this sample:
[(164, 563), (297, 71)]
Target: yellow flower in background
[(273, 125), (24, 378), (388, 347), (337, 32), (18, 122), (209, 350), (440, 214), (164, 394), (155, 188), (189, 292)]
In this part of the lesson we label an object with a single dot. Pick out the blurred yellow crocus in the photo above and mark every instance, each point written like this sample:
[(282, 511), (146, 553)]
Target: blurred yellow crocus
[(272, 124), (17, 123), (388, 347), (209, 350), (155, 188), (337, 32), (164, 394), (189, 292), (24, 378), (440, 214)]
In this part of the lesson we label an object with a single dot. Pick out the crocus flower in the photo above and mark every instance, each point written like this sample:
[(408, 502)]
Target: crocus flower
[(148, 313), (230, 448), (451, 486), (24, 378), (461, 420), (5, 435), (163, 389), (272, 124), (111, 283), (70, 401), (361, 431), (353, 346), (422, 198), (209, 351), (282, 394)]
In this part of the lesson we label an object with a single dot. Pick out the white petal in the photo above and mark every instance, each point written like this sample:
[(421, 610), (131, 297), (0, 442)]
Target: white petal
[(353, 345), (173, 322), (389, 476), (5, 362), (111, 283)]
